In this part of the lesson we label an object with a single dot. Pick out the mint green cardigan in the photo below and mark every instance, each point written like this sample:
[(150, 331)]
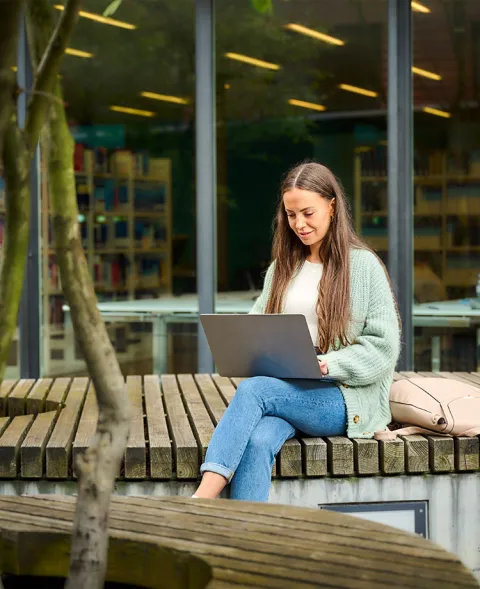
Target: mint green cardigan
[(364, 369)]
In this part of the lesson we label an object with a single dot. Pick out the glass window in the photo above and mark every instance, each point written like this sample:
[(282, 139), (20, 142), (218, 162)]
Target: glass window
[(128, 83), (447, 184), (308, 81)]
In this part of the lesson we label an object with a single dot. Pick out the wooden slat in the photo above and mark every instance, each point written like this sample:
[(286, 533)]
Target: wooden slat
[(184, 444), (455, 376), (315, 456), (392, 456), (32, 451), (17, 398), (6, 388), (4, 422), (213, 401), (290, 459), (36, 398), (340, 456), (429, 374), (467, 455), (225, 386), (59, 447), (237, 380), (397, 376), (473, 378), (10, 443), (86, 426), (416, 453), (441, 453), (57, 395), (366, 456), (408, 374), (160, 447), (199, 418), (136, 450)]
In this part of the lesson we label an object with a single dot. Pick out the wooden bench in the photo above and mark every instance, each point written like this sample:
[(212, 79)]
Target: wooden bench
[(177, 543), (44, 424)]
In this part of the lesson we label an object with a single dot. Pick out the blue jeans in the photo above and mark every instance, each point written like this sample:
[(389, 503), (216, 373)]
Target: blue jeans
[(264, 413)]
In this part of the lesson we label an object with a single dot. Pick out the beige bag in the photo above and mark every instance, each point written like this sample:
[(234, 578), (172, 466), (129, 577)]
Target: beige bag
[(439, 406)]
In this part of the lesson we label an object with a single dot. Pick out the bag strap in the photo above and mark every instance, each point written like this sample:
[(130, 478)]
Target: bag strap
[(388, 434)]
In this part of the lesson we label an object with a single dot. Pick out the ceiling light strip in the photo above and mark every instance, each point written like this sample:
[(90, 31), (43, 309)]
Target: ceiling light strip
[(315, 34), (78, 53), (101, 19), (357, 90), (417, 7), (132, 111), (437, 112), (252, 61), (304, 104), (426, 73), (164, 97)]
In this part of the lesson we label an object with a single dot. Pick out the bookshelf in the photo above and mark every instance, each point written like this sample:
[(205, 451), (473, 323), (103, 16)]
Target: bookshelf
[(446, 213), (125, 220)]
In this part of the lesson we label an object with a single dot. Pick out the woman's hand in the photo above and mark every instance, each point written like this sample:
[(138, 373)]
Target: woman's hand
[(323, 367)]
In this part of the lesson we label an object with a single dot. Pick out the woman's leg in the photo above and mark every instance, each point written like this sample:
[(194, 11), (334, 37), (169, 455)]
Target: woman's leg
[(252, 479), (311, 406)]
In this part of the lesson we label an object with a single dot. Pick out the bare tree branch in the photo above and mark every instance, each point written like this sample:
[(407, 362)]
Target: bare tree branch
[(47, 73), (9, 27), (16, 172)]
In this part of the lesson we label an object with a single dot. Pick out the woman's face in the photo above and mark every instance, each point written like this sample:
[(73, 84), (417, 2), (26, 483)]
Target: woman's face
[(308, 215)]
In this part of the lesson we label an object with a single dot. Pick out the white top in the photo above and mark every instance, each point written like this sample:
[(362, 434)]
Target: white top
[(302, 296)]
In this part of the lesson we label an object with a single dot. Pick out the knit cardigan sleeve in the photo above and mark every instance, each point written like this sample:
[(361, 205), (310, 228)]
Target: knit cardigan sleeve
[(374, 353), (261, 303)]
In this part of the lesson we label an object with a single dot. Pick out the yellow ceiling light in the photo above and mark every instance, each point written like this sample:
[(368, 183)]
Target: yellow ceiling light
[(164, 97), (101, 19), (437, 112), (304, 104), (133, 111), (252, 61), (358, 90), (78, 53), (227, 86), (426, 73), (14, 68), (417, 7), (315, 34)]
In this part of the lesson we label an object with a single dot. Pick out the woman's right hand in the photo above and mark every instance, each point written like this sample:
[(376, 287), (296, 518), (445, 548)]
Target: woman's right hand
[(323, 367)]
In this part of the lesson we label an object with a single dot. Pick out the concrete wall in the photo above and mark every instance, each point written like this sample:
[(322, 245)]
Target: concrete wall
[(453, 500)]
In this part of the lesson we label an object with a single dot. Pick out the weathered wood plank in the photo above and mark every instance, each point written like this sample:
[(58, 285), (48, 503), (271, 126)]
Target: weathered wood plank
[(392, 456), (397, 376), (10, 443), (86, 426), (58, 393), (467, 455), (441, 453), (160, 447), (6, 388), (185, 449), (237, 380), (36, 398), (17, 398), (429, 374), (225, 386), (455, 376), (416, 453), (366, 456), (59, 446), (314, 456), (199, 418), (32, 450), (408, 374), (473, 378), (290, 459), (213, 401), (340, 456), (136, 450)]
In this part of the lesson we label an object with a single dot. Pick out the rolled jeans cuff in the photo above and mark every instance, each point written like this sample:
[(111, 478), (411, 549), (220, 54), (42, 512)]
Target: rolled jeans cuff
[(218, 468)]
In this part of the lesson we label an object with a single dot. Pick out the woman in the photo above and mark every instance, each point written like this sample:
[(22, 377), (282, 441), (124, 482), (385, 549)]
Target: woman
[(323, 270)]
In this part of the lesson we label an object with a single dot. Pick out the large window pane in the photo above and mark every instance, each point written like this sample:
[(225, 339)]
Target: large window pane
[(129, 90), (447, 183), (308, 81)]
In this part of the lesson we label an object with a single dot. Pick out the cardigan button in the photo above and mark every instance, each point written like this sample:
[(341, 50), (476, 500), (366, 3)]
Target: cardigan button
[(356, 419)]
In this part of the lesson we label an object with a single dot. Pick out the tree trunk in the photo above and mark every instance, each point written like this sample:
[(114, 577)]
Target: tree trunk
[(13, 255), (98, 468)]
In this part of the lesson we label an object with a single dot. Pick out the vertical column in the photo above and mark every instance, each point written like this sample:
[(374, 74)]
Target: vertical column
[(205, 171), (400, 167), (30, 318)]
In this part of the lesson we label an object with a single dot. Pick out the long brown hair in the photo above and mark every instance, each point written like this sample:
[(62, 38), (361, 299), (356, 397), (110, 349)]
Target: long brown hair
[(289, 253)]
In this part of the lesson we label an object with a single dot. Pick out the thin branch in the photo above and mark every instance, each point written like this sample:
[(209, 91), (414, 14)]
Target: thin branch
[(9, 27), (47, 73)]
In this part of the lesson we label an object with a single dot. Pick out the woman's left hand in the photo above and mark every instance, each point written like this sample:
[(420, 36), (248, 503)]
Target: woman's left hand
[(323, 367)]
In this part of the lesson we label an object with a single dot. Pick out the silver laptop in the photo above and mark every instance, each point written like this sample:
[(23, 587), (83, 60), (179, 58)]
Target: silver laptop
[(261, 345)]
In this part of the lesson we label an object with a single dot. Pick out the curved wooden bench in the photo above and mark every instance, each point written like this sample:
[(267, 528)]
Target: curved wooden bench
[(173, 419), (179, 543)]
